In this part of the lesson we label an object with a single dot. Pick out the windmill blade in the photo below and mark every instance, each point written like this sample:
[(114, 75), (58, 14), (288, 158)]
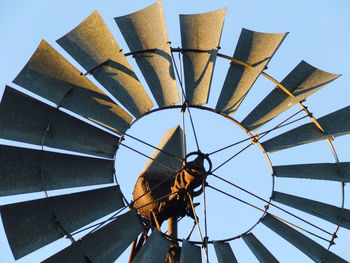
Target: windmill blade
[(25, 119), (156, 66), (224, 253), (203, 32), (33, 224), (335, 124), (258, 249), (255, 49), (93, 46), (190, 253), (27, 170), (301, 82), (309, 247), (171, 143), (335, 215), (52, 77), (323, 171), (104, 245), (154, 250)]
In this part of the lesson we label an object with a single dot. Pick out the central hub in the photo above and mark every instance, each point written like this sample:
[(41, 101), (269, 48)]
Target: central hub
[(158, 198)]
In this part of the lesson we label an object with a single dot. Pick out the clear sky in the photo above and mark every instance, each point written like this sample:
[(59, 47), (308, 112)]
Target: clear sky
[(318, 33)]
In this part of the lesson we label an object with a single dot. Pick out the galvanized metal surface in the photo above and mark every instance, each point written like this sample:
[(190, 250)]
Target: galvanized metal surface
[(154, 250), (258, 249), (52, 77), (324, 171), (104, 245), (25, 119), (190, 253), (333, 214), (309, 247), (172, 144), (27, 170), (156, 66), (203, 32), (335, 124), (255, 49), (301, 82), (92, 44), (33, 224), (224, 252)]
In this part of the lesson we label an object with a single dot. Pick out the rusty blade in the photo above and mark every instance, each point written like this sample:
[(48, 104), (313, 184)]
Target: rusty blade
[(202, 32)]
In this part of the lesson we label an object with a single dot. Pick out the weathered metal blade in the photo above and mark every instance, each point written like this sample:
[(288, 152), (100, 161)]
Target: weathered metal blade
[(327, 212), (93, 46), (323, 171), (34, 224), (27, 170), (258, 249), (335, 124), (224, 253), (156, 66), (28, 120), (203, 32), (309, 247), (51, 76), (255, 49), (171, 143), (301, 82), (190, 253), (154, 250), (104, 245)]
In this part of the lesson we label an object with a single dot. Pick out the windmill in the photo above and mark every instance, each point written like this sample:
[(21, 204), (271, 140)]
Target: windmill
[(77, 94)]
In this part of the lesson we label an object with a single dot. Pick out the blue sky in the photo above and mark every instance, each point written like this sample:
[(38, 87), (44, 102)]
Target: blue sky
[(318, 34)]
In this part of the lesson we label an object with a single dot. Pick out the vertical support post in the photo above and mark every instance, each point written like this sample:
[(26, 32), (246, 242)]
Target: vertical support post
[(172, 231)]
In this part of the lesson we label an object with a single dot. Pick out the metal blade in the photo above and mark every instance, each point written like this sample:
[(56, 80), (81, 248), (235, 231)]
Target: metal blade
[(335, 124), (27, 170), (172, 144), (93, 46), (51, 76), (33, 224), (323, 171), (200, 31), (104, 245), (190, 253), (258, 249), (327, 212), (154, 250), (224, 253), (255, 49), (301, 82), (309, 247), (156, 66), (28, 120)]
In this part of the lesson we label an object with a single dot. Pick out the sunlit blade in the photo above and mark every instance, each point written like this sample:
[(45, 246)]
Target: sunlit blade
[(327, 212), (171, 143), (143, 30), (335, 124), (190, 253), (224, 252), (301, 82), (309, 247), (52, 77), (92, 44), (323, 171), (255, 49), (258, 249), (104, 245), (25, 119), (26, 170), (154, 250), (203, 32), (34, 224)]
